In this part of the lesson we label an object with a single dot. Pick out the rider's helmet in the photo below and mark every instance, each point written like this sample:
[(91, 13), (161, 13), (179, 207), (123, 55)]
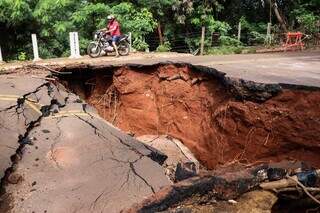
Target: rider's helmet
[(110, 17)]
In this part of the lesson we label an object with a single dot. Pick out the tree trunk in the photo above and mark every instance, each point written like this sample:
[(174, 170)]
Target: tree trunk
[(278, 15), (160, 34)]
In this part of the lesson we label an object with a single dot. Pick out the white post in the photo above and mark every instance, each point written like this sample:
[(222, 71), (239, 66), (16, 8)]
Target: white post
[(1, 59), (35, 48), (77, 46), (203, 33), (74, 45), (130, 42), (71, 45), (239, 31)]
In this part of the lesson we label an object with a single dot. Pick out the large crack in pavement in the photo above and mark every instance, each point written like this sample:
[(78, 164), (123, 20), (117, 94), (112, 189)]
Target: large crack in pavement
[(24, 139), (56, 143), (21, 100), (138, 175), (154, 155)]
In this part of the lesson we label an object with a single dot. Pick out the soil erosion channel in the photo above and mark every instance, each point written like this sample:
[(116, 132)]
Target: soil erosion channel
[(221, 120)]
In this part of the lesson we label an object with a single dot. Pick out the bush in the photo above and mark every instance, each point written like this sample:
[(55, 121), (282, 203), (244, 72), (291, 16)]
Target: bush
[(253, 33), (306, 19), (166, 47), (308, 23), (224, 50), (45, 51), (22, 56), (139, 44), (229, 41)]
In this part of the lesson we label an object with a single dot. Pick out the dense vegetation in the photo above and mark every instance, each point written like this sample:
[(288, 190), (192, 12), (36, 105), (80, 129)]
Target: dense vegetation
[(155, 24)]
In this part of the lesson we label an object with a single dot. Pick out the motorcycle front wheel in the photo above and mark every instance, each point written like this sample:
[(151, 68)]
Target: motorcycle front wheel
[(94, 50), (124, 48)]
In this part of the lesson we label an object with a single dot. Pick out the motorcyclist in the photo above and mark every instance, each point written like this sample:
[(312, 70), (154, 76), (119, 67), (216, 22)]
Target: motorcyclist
[(113, 28)]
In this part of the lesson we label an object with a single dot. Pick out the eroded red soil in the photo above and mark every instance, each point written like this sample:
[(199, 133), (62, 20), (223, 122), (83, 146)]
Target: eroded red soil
[(206, 118)]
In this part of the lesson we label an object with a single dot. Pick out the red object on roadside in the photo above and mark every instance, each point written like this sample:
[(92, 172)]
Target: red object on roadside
[(293, 41)]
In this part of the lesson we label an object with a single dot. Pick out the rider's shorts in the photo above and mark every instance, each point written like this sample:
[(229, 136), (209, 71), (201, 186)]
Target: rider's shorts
[(115, 38)]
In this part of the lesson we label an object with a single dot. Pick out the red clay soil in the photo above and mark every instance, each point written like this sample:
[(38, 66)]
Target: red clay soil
[(218, 129)]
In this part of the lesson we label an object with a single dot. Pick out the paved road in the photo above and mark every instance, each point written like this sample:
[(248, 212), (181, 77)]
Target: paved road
[(62, 157), (302, 68), (290, 68), (61, 172)]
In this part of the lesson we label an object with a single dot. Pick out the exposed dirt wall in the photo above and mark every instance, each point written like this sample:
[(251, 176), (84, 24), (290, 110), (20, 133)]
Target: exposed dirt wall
[(201, 111)]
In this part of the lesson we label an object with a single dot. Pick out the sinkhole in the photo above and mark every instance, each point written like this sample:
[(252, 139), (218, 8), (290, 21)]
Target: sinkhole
[(220, 119)]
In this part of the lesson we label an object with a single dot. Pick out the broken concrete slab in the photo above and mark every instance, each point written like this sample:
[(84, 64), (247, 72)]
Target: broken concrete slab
[(82, 167), (17, 112), (12, 129), (72, 159), (180, 164)]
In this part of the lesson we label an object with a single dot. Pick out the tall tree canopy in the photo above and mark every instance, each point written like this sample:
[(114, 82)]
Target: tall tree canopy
[(169, 23)]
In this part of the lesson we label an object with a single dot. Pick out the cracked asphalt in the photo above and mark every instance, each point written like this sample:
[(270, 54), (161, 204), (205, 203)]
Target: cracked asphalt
[(58, 155)]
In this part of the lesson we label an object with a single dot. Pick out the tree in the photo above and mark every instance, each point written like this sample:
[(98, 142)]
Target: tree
[(176, 22), (138, 21), (282, 22), (159, 9), (15, 21)]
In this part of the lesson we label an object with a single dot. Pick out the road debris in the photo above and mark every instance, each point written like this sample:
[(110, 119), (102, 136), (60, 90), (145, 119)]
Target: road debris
[(180, 164), (211, 190)]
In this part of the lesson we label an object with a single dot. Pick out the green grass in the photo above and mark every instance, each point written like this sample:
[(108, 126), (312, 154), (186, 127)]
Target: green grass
[(224, 50)]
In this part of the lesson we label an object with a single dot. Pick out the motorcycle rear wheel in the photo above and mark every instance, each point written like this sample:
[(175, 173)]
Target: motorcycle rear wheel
[(94, 50), (124, 48)]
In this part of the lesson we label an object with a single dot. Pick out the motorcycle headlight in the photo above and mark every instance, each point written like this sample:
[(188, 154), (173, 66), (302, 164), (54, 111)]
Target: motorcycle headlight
[(95, 37)]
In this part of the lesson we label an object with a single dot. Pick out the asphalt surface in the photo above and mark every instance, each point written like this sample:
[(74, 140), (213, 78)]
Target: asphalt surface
[(60, 156), (299, 68)]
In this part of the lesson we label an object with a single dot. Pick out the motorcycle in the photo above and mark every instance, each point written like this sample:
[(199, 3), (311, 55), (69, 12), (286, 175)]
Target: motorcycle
[(103, 42)]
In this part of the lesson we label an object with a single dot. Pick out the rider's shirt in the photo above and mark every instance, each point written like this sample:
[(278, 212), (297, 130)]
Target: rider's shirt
[(112, 25)]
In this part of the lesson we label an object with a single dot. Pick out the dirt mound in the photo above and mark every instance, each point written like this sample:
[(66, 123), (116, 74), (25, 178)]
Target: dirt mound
[(203, 112)]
